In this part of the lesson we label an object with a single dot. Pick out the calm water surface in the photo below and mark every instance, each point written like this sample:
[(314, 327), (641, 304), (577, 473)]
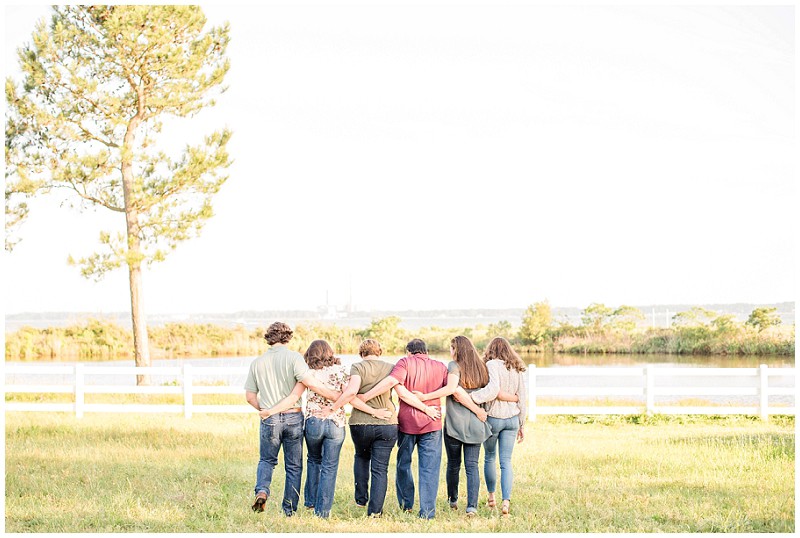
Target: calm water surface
[(548, 361)]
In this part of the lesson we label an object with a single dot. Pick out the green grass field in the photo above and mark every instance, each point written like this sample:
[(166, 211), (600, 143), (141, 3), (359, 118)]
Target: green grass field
[(128, 473)]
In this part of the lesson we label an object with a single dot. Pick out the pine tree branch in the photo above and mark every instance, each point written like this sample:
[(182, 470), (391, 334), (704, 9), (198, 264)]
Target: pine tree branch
[(88, 197), (92, 136)]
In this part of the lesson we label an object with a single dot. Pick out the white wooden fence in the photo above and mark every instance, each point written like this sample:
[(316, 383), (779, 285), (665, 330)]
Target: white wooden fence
[(756, 380), (641, 383)]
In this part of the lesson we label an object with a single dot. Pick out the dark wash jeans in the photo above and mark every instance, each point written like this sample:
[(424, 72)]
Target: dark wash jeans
[(374, 444), (324, 440), (429, 449), (453, 448), (282, 430)]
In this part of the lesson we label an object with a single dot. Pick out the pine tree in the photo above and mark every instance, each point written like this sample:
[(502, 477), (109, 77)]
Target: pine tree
[(99, 81)]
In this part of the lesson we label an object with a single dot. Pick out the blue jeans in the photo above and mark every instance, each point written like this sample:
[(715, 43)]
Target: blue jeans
[(472, 452), (374, 443), (324, 440), (286, 430), (430, 459), (504, 433)]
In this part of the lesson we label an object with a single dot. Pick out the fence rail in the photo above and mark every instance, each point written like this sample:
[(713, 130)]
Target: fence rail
[(645, 386)]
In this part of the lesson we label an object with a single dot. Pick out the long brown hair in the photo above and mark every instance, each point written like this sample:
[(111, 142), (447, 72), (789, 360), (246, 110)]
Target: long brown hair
[(319, 355), (500, 349), (474, 373)]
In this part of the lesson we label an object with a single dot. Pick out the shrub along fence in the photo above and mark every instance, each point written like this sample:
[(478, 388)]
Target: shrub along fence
[(651, 389)]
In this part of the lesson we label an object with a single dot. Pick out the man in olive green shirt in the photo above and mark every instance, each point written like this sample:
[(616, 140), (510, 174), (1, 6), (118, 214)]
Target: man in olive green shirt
[(269, 388), (373, 427)]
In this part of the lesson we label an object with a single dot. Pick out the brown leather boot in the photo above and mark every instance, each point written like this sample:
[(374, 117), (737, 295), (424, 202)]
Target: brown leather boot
[(261, 499)]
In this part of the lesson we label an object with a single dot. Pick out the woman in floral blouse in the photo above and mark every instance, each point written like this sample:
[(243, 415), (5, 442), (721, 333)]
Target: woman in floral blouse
[(324, 436)]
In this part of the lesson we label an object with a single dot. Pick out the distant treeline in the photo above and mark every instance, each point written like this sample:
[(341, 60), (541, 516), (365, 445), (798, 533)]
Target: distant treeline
[(602, 330), (697, 331)]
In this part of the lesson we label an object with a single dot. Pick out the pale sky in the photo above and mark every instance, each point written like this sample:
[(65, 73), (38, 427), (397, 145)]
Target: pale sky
[(483, 156)]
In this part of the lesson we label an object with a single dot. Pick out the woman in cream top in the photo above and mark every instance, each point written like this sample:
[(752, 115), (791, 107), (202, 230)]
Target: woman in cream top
[(507, 418)]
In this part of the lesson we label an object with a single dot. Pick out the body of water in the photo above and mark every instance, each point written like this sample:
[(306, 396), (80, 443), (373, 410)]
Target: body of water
[(565, 362)]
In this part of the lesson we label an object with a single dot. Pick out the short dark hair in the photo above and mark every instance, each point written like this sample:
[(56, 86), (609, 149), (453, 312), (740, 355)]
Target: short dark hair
[(278, 333), (416, 346)]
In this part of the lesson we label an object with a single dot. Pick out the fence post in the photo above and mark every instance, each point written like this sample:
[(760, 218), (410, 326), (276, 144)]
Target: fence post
[(79, 390), (187, 391), (763, 393), (649, 389), (532, 392)]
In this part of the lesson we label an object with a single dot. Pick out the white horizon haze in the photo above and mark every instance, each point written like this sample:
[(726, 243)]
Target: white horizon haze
[(482, 156)]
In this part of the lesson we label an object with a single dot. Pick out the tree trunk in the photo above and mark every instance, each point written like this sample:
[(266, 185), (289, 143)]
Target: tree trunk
[(141, 347)]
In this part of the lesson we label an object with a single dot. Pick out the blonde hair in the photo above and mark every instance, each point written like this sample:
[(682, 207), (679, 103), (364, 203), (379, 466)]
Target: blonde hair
[(370, 347)]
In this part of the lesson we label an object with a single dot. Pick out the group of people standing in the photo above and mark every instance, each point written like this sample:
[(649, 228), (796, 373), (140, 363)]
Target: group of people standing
[(486, 406)]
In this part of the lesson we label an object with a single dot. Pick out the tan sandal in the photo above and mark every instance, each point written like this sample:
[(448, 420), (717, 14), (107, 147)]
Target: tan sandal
[(506, 507)]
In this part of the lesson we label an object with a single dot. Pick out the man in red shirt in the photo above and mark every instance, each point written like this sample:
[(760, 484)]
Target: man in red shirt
[(417, 372)]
